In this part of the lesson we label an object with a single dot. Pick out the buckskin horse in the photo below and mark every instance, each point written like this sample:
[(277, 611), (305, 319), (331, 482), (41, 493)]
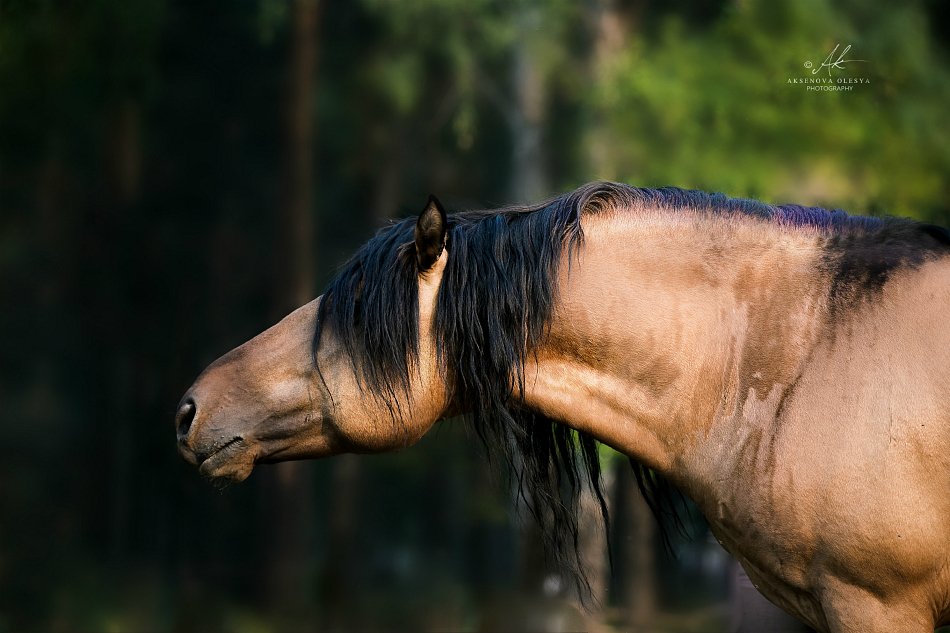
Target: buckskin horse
[(786, 367)]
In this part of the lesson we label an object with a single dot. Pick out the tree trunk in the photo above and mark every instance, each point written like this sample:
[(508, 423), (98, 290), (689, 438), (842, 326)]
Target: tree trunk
[(337, 582), (297, 233), (634, 563), (593, 548), (389, 181), (289, 489), (528, 174), (613, 25), (124, 156)]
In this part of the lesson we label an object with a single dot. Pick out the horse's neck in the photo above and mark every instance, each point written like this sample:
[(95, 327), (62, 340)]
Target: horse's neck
[(670, 332)]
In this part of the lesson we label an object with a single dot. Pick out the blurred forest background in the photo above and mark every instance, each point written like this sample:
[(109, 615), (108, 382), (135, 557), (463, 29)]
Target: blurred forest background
[(175, 175)]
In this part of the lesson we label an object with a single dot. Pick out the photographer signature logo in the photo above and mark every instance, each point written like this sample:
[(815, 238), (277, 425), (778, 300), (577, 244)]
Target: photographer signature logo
[(836, 60)]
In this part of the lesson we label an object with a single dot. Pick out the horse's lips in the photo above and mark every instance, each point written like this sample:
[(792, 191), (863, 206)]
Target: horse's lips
[(220, 456)]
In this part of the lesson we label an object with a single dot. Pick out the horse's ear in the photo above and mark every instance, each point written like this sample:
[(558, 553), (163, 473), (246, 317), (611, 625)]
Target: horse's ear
[(431, 230)]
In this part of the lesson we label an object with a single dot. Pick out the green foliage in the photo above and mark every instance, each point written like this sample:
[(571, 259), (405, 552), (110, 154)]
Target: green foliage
[(712, 109)]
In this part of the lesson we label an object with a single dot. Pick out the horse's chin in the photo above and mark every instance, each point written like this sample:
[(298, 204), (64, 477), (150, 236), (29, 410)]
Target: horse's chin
[(234, 462), (236, 471)]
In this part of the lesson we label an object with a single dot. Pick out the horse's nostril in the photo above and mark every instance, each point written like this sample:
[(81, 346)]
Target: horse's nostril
[(186, 414)]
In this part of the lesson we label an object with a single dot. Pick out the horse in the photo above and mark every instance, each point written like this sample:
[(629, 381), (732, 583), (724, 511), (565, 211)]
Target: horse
[(785, 367)]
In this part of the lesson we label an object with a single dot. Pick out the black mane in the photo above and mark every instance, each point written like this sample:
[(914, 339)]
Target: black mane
[(494, 305), (493, 309)]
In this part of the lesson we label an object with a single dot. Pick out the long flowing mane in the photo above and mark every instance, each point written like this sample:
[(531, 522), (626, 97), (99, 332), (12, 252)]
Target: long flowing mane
[(496, 300)]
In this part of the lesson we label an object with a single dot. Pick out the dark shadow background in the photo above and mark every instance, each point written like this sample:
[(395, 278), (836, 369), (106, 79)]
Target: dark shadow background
[(177, 175)]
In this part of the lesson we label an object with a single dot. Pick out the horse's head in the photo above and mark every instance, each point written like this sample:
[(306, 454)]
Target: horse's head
[(267, 401)]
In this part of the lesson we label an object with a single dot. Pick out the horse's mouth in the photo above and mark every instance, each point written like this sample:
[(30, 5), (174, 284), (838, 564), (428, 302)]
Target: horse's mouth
[(221, 461)]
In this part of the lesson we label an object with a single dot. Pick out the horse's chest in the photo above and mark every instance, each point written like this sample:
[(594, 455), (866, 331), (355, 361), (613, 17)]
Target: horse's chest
[(751, 527), (776, 562), (757, 510)]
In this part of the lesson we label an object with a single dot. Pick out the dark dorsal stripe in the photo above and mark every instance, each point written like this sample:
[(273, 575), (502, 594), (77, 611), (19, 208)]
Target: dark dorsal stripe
[(860, 262)]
